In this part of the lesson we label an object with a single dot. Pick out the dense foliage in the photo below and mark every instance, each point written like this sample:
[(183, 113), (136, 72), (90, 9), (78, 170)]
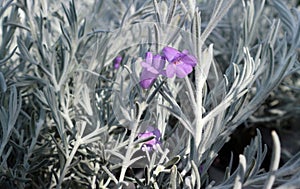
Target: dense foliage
[(144, 94)]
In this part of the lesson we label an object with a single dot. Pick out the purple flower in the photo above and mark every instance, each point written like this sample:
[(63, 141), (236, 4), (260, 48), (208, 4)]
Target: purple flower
[(117, 62), (151, 144), (152, 67), (180, 63)]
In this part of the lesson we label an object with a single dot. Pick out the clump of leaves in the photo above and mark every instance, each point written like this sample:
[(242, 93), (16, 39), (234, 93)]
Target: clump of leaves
[(69, 118)]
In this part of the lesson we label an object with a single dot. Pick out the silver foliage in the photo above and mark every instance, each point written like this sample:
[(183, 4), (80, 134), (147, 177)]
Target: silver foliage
[(69, 120)]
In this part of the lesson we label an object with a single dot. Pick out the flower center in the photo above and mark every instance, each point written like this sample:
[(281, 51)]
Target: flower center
[(177, 61)]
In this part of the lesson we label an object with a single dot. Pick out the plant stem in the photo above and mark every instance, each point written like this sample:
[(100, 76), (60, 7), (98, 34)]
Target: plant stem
[(68, 162)]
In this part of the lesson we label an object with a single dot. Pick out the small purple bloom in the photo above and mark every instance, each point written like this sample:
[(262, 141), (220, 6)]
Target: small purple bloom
[(117, 62), (180, 63), (152, 67), (151, 144)]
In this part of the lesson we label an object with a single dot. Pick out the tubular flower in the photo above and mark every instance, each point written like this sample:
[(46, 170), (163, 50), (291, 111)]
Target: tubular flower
[(152, 67), (180, 63), (151, 144), (117, 62)]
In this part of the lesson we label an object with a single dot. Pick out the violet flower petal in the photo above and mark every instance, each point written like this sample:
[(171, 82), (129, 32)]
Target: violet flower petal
[(180, 63), (147, 79), (170, 53), (157, 133), (189, 59), (145, 65), (185, 51), (152, 67), (170, 70), (147, 83), (117, 61), (151, 144), (149, 58), (158, 63), (149, 68), (183, 70), (180, 72)]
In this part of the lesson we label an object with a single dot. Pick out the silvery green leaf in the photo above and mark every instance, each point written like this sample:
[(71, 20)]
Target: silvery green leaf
[(172, 162), (173, 178), (69, 119), (3, 86)]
